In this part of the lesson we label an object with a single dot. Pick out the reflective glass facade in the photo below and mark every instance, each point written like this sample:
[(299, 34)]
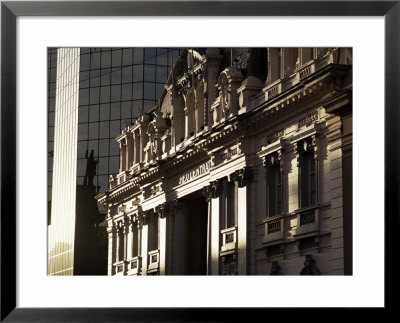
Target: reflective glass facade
[(114, 84), (62, 229)]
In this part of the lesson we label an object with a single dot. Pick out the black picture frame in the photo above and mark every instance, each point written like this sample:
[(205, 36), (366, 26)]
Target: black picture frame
[(10, 10)]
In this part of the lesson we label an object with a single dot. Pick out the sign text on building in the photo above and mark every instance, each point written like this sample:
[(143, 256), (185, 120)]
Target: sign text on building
[(193, 173)]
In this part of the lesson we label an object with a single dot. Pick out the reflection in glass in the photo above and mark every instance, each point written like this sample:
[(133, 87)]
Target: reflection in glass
[(103, 166), (115, 111), (114, 128), (104, 129), (137, 91), (126, 92), (105, 76), (95, 60), (104, 111), (116, 57), (116, 74), (114, 148), (105, 94), (149, 73), (137, 73), (127, 74), (127, 56), (93, 130), (149, 91), (126, 110), (83, 131), (94, 78), (82, 146), (106, 59), (115, 93), (103, 147), (94, 95), (94, 113)]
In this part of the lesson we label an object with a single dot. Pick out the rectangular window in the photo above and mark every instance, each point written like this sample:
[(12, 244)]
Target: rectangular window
[(153, 233), (307, 176), (274, 190), (121, 242), (135, 242), (229, 204)]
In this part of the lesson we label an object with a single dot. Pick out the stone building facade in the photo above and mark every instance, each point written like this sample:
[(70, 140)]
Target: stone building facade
[(244, 167)]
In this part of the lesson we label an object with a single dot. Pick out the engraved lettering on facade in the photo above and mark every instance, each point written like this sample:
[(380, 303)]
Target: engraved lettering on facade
[(196, 172), (308, 120)]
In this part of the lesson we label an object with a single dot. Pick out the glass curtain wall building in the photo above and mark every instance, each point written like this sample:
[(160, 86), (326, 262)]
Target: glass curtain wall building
[(110, 86)]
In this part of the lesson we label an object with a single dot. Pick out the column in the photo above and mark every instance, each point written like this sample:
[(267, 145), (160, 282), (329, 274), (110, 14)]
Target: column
[(129, 148), (186, 122), (111, 249), (144, 238), (163, 240), (129, 239), (243, 177), (212, 194), (122, 164)]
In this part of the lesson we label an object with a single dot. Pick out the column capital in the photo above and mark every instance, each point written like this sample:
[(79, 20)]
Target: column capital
[(212, 191), (244, 176)]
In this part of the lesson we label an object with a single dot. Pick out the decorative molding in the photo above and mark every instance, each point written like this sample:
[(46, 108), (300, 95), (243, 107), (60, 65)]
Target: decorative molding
[(310, 267), (244, 176), (193, 173), (308, 120), (276, 269)]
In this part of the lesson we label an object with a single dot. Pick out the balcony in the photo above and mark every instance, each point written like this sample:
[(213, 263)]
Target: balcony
[(120, 268), (122, 177), (274, 230), (229, 239), (273, 89), (154, 260), (134, 266), (307, 222)]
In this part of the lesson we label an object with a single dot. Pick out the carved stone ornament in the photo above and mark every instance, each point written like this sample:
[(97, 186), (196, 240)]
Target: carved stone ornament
[(243, 176), (212, 191), (310, 267), (207, 192), (304, 146), (276, 269), (161, 210), (229, 265)]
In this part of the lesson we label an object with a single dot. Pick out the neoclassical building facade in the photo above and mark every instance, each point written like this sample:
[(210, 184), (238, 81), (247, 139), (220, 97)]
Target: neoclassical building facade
[(244, 167)]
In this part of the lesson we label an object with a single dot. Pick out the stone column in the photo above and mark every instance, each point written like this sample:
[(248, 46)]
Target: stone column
[(243, 177), (212, 194), (129, 238), (137, 147), (186, 122), (144, 237), (111, 249), (129, 148), (163, 236), (122, 164)]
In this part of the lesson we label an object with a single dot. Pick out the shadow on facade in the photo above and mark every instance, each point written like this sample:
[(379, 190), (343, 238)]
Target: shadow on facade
[(191, 236)]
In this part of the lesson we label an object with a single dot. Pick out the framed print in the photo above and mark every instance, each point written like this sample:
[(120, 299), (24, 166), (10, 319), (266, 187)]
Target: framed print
[(176, 138)]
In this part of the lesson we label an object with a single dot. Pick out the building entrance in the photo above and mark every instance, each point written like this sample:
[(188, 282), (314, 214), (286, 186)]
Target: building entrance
[(194, 234)]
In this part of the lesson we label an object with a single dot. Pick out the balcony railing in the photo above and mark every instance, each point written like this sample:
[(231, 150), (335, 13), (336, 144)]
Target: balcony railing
[(134, 266), (274, 229), (229, 239), (307, 221), (122, 177), (120, 268), (154, 259)]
